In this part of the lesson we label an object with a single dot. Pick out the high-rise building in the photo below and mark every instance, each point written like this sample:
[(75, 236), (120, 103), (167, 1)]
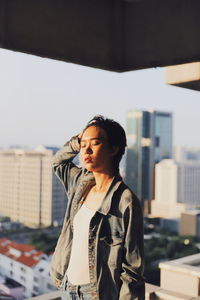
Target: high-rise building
[(149, 137), (186, 153), (176, 188), (29, 191)]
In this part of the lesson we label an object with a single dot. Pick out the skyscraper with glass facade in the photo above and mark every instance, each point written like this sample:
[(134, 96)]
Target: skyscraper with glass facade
[(149, 138)]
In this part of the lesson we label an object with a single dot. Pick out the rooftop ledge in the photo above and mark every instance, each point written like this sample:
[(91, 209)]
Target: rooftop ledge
[(188, 264), (153, 292)]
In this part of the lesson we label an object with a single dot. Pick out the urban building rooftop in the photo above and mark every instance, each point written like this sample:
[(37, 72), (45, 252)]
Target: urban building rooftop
[(26, 266)]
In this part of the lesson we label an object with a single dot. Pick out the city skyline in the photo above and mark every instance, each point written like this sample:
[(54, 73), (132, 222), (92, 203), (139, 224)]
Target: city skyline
[(46, 102), (149, 140), (30, 193)]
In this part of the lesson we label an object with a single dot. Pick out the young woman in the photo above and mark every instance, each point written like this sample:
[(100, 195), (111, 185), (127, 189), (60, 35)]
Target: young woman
[(99, 254)]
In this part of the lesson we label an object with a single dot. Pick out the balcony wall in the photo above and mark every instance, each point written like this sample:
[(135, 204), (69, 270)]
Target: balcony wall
[(153, 292)]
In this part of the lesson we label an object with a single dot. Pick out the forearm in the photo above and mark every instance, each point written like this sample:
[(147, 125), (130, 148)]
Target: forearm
[(66, 153), (63, 166)]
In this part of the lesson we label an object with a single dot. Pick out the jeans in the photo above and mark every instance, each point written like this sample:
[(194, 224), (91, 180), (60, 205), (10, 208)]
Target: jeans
[(76, 292)]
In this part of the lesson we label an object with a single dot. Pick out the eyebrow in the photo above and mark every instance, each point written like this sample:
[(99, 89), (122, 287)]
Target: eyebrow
[(95, 138)]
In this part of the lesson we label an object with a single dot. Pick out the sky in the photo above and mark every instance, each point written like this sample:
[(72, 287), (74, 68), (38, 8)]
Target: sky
[(45, 102)]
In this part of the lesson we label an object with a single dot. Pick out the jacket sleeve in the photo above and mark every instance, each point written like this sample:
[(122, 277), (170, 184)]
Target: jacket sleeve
[(63, 166), (69, 174), (133, 283)]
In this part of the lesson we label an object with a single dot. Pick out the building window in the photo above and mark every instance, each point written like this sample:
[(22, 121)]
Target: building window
[(35, 279), (35, 288), (23, 269), (23, 279), (50, 286), (41, 269)]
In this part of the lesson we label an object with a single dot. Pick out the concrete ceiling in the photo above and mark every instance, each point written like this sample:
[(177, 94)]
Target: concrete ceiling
[(116, 35)]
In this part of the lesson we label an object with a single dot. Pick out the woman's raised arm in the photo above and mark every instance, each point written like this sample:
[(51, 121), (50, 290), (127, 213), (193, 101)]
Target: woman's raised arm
[(63, 166)]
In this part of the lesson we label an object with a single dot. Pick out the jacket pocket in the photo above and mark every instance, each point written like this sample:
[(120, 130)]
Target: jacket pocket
[(111, 250)]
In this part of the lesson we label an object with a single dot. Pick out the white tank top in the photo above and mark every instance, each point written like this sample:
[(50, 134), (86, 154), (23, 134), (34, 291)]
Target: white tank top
[(78, 268)]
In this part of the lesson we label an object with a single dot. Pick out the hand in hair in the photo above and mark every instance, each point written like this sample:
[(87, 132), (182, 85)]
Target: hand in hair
[(80, 137)]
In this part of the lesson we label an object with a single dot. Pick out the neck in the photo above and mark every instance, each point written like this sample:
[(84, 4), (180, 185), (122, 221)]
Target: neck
[(103, 180)]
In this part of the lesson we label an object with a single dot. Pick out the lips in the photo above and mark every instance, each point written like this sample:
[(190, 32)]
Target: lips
[(87, 159)]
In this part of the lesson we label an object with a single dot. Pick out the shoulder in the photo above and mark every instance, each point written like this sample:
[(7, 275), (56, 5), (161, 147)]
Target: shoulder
[(128, 198)]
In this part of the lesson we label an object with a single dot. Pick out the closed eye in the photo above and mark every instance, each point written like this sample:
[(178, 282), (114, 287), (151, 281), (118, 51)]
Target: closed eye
[(83, 145), (95, 143)]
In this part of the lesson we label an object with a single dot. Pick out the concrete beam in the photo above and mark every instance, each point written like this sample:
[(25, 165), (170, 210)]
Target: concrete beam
[(184, 75), (116, 35)]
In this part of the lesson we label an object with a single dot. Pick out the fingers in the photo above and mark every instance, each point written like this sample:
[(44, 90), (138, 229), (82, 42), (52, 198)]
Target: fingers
[(80, 137)]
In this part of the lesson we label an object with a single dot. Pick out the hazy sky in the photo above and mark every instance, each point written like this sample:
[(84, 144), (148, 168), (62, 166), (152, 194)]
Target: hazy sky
[(43, 101)]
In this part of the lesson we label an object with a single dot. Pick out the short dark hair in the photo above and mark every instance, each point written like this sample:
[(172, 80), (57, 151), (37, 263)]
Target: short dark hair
[(115, 133)]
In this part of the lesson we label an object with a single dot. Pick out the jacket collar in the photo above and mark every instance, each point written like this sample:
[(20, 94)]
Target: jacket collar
[(107, 200)]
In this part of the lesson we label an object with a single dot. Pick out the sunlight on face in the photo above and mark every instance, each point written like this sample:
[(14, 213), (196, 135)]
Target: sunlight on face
[(95, 151)]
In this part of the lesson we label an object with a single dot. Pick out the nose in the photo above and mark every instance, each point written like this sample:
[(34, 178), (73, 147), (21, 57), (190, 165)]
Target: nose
[(88, 149)]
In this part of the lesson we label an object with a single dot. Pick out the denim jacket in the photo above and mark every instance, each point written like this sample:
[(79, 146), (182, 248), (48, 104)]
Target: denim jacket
[(115, 249)]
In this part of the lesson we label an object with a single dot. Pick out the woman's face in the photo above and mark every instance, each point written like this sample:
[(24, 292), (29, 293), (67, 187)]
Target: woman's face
[(95, 151)]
